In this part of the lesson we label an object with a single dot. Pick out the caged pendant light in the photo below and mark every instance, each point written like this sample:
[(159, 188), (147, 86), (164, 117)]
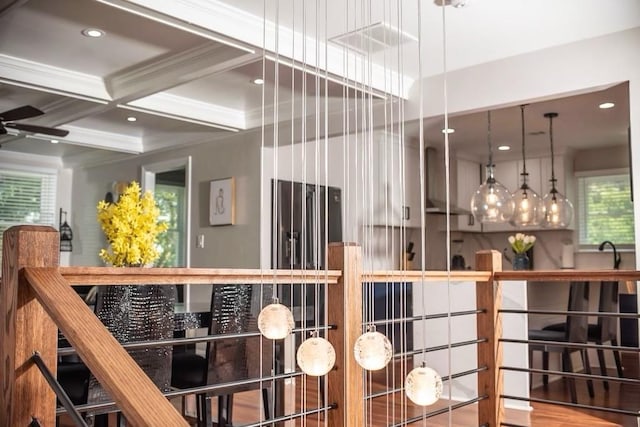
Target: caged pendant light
[(492, 202), (529, 210), (558, 210)]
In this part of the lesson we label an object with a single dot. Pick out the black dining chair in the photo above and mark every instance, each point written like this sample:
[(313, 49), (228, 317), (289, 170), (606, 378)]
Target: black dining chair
[(605, 330), (130, 313), (234, 309), (575, 332)]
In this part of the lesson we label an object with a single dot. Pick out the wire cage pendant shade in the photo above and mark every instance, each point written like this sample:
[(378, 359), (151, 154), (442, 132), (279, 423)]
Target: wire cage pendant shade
[(558, 210), (492, 202), (529, 209)]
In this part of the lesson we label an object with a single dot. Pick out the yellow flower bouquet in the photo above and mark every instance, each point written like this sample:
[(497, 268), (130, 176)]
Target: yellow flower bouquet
[(131, 227)]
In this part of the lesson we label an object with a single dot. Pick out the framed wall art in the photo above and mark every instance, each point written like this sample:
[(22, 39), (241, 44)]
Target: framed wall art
[(222, 204)]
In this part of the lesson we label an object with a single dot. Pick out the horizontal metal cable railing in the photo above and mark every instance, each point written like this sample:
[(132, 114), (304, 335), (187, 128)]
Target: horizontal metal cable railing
[(605, 276)]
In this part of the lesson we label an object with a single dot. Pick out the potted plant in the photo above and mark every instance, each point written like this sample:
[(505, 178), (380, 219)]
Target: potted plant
[(520, 244)]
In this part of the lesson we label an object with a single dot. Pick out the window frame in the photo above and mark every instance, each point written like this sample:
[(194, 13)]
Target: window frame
[(26, 170), (622, 247)]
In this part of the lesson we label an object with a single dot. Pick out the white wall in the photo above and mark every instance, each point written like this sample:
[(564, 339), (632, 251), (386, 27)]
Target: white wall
[(232, 246), (550, 73)]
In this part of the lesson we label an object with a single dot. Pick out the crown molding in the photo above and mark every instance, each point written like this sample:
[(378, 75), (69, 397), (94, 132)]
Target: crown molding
[(189, 110), (103, 140), (22, 72)]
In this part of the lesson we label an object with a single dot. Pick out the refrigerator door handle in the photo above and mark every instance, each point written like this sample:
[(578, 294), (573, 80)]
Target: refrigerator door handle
[(291, 246), (311, 228)]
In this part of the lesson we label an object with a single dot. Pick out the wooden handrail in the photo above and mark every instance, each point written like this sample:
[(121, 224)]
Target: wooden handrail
[(426, 276), (193, 276), (569, 275), (135, 394)]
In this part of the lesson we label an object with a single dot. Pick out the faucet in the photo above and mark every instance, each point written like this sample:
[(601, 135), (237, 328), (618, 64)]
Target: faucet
[(616, 255)]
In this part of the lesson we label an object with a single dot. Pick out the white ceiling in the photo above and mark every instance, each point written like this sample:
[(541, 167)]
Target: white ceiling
[(185, 69)]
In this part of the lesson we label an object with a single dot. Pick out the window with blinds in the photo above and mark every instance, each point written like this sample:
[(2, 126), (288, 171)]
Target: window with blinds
[(26, 198), (605, 211)]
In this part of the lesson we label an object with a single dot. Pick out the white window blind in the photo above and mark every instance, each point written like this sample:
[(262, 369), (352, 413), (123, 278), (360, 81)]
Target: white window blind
[(26, 198), (605, 210)]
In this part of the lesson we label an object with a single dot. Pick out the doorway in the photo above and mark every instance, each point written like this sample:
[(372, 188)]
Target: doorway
[(170, 182)]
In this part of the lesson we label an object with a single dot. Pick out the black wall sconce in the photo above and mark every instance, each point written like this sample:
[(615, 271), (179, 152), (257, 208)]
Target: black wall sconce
[(66, 235)]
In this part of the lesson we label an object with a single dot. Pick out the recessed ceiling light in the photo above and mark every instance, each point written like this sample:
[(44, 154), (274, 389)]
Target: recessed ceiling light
[(448, 130), (258, 81), (54, 141), (504, 147), (92, 32), (131, 119), (606, 105)]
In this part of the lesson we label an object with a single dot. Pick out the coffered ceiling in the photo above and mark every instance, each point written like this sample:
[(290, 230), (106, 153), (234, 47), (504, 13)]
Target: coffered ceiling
[(185, 68)]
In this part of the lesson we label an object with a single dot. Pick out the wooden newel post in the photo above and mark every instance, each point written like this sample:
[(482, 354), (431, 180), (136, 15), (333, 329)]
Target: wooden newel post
[(345, 381), (26, 328), (489, 325)]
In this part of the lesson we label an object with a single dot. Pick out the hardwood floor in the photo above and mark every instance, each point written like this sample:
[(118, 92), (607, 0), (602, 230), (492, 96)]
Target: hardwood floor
[(387, 410)]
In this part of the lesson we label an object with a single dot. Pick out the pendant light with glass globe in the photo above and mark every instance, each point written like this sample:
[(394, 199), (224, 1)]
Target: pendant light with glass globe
[(558, 210), (529, 210), (492, 202)]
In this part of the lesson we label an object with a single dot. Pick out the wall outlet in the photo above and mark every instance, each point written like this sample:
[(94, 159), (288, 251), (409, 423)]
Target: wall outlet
[(200, 241)]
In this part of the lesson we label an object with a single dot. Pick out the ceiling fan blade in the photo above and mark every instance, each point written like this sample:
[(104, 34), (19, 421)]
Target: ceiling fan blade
[(20, 113), (38, 129)]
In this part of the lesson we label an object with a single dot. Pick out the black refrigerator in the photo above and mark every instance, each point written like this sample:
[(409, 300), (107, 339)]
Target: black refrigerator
[(300, 233), (299, 237)]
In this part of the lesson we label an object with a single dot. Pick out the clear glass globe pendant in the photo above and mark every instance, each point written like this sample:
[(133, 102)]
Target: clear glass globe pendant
[(528, 207), (316, 356), (275, 321), (558, 210), (372, 350), (529, 210), (423, 386), (492, 202)]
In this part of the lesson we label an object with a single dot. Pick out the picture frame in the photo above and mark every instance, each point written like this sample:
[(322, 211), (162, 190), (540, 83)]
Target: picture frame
[(222, 203)]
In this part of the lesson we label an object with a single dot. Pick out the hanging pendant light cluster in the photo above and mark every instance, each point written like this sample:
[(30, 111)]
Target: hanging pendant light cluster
[(529, 210), (492, 202), (558, 210)]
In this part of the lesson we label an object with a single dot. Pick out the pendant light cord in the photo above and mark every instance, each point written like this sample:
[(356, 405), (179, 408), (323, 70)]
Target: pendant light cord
[(553, 172), (489, 139), (524, 161)]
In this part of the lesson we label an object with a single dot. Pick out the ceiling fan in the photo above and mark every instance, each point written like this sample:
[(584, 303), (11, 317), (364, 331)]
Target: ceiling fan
[(7, 119)]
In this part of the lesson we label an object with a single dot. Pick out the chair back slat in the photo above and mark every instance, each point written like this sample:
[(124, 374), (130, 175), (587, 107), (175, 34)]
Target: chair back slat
[(577, 326)]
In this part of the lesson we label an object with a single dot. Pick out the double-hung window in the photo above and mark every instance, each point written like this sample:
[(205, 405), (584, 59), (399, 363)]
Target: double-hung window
[(605, 210), (26, 197)]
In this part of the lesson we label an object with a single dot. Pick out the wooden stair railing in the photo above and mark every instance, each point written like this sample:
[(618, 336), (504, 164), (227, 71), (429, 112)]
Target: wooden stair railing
[(34, 298)]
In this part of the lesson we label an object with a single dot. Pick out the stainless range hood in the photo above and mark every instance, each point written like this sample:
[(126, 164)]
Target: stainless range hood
[(435, 185)]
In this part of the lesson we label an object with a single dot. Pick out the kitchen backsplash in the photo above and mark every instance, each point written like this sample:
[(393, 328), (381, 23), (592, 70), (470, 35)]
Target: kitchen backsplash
[(547, 252)]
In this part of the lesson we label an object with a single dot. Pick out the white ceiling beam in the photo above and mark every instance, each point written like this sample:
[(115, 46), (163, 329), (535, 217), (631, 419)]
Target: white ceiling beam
[(102, 140), (174, 70), (223, 18), (21, 72), (189, 110)]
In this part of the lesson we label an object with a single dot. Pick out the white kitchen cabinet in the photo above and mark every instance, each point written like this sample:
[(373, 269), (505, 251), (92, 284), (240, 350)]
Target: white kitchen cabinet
[(396, 186), (468, 180)]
